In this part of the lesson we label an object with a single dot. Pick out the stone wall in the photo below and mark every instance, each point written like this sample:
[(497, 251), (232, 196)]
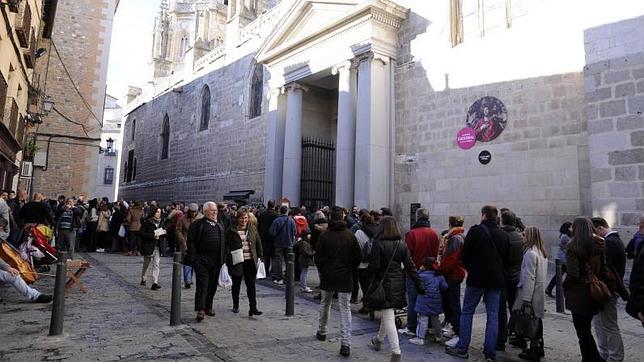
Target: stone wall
[(81, 34), (201, 165), (614, 90)]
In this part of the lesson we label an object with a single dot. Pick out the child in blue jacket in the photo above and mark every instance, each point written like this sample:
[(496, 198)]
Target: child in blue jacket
[(429, 305)]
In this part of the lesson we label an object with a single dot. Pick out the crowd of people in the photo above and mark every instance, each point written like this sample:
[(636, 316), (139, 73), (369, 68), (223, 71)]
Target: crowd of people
[(363, 253)]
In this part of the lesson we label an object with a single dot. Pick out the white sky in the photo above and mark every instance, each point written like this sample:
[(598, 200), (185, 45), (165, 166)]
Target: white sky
[(131, 45)]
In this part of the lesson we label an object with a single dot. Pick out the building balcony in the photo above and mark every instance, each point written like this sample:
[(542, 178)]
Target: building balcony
[(23, 24)]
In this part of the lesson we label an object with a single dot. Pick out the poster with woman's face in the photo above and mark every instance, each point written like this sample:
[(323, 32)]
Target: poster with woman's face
[(488, 118)]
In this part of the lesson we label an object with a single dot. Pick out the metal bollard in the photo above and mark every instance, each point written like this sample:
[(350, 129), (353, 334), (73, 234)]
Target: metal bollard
[(58, 309), (559, 290), (175, 307), (290, 283)]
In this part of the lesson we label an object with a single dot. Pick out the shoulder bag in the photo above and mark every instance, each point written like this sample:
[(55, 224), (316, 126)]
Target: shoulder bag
[(599, 292), (376, 298)]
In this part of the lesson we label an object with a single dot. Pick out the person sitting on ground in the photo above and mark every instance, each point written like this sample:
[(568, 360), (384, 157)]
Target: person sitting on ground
[(429, 305), (11, 276)]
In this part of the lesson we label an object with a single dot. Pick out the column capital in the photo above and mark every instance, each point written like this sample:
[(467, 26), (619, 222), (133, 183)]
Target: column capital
[(372, 56), (294, 86), (345, 65)]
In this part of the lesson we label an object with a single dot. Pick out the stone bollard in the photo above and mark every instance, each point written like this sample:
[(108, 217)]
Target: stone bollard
[(290, 283), (58, 309), (559, 290), (175, 307)]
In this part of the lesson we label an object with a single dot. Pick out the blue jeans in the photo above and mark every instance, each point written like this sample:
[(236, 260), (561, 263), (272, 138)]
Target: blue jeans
[(472, 298), (303, 275), (412, 294), (187, 274)]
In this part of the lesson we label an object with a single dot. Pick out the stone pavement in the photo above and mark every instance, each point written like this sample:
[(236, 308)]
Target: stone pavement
[(120, 320)]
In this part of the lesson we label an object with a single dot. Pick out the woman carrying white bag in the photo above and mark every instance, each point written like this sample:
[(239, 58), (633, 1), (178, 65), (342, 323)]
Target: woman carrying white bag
[(244, 251)]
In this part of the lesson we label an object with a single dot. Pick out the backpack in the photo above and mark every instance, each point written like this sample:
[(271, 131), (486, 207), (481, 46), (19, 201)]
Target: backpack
[(366, 249)]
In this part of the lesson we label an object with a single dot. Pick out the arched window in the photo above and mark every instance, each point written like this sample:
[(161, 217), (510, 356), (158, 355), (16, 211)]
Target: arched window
[(133, 128), (256, 90), (205, 109), (165, 137)]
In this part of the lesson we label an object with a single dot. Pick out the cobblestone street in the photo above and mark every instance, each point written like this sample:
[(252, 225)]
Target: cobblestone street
[(120, 320)]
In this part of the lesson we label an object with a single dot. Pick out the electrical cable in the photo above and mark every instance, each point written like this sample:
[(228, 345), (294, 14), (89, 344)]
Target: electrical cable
[(71, 121), (89, 108)]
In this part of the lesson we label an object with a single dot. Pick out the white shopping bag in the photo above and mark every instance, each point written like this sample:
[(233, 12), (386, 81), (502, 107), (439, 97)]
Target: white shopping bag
[(261, 270), (237, 256), (122, 231), (224, 278)]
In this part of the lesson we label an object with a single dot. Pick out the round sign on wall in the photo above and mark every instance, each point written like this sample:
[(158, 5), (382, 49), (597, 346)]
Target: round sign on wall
[(488, 117), (485, 157), (466, 138)]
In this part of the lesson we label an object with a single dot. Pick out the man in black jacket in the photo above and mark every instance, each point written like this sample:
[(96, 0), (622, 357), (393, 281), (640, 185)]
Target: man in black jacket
[(337, 254), (264, 222), (206, 253), (512, 275), (609, 338), (484, 255)]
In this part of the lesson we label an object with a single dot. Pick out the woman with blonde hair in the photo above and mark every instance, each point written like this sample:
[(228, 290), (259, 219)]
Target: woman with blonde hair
[(532, 287)]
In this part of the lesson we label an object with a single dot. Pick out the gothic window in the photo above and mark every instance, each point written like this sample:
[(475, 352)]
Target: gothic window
[(134, 170), (125, 172), (133, 128), (256, 89), (128, 166), (165, 138), (108, 177), (205, 109)]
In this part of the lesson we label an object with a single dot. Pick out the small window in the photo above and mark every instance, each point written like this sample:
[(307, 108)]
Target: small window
[(165, 138), (108, 177), (205, 109)]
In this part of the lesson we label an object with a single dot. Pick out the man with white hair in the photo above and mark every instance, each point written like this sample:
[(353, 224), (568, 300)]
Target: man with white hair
[(206, 254)]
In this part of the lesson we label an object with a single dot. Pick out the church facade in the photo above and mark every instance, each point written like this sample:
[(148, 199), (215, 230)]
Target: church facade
[(446, 104)]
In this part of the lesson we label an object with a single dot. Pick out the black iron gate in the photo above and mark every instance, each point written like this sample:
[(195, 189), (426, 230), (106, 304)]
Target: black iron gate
[(318, 172)]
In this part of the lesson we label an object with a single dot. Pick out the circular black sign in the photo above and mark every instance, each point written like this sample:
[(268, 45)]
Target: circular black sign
[(488, 117), (485, 157)]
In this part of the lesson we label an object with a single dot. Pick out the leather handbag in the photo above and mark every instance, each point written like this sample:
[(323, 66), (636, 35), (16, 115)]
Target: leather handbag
[(376, 298), (524, 322), (599, 292)]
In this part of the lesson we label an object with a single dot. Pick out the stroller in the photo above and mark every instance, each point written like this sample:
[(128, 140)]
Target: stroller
[(37, 248)]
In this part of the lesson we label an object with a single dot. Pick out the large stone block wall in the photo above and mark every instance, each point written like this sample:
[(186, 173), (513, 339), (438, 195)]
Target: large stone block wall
[(202, 165), (539, 164), (614, 92)]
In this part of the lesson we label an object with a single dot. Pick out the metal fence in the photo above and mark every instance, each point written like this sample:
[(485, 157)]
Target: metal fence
[(318, 172)]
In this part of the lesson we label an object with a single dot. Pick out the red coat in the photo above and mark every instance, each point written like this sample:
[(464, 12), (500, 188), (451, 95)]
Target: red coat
[(422, 242), (451, 265)]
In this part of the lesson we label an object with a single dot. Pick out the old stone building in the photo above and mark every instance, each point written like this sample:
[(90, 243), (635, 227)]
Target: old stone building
[(107, 165), (23, 26), (68, 139), (445, 104)]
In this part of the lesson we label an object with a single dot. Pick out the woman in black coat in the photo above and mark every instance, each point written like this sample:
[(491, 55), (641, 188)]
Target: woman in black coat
[(387, 253), (242, 235), (150, 241)]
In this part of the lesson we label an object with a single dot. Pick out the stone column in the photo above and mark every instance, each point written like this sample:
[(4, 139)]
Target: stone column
[(293, 143), (274, 146), (373, 120), (346, 135)]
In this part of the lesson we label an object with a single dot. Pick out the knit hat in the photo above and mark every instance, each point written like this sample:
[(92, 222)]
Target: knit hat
[(193, 207)]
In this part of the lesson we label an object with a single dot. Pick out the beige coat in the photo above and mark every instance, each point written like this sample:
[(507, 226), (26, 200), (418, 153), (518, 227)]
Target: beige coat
[(103, 221), (133, 219), (532, 283)]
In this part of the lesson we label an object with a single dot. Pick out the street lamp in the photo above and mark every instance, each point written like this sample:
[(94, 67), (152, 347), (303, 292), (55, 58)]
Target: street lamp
[(110, 144), (48, 104)]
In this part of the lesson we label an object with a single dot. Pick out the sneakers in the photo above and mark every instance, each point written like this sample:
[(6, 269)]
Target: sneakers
[(417, 341), (320, 336), (452, 342), (278, 282), (155, 286), (306, 290), (345, 351), (44, 298), (457, 352), (100, 250), (406, 332), (448, 331), (376, 343)]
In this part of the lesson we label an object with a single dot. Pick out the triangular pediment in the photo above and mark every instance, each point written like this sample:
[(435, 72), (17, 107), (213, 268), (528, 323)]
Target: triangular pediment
[(306, 18)]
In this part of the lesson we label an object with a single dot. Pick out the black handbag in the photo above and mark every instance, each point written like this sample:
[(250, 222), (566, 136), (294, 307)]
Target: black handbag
[(376, 298), (524, 322)]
